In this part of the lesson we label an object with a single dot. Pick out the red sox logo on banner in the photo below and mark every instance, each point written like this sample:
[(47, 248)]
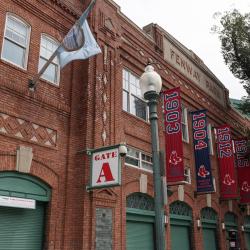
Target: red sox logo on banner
[(226, 163), (243, 167), (173, 135)]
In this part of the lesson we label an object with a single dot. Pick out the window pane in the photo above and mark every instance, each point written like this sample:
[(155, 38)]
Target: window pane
[(138, 107), (47, 48), (133, 152), (147, 165), (125, 101), (14, 53), (132, 161), (50, 73), (16, 31)]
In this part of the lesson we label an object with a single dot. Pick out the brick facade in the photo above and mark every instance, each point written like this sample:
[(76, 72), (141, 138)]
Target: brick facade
[(85, 112)]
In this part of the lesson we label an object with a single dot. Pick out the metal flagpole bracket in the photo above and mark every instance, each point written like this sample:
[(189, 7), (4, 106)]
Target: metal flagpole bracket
[(31, 85)]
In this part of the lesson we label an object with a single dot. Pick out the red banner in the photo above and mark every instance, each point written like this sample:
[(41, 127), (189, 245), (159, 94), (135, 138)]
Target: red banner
[(243, 167), (173, 135), (228, 181)]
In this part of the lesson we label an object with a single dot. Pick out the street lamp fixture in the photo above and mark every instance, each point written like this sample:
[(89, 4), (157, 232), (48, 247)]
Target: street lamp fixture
[(151, 83)]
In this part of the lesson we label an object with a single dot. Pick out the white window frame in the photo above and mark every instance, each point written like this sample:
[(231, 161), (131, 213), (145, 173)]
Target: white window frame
[(210, 139), (214, 183), (55, 61), (187, 175), (184, 112), (20, 20), (140, 160), (128, 108)]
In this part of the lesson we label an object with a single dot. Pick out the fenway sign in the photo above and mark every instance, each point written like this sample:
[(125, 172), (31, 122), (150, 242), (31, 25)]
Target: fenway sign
[(105, 167)]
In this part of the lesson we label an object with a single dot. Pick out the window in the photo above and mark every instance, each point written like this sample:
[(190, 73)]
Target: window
[(210, 139), (184, 124), (47, 48), (16, 41), (139, 159), (187, 175), (132, 99)]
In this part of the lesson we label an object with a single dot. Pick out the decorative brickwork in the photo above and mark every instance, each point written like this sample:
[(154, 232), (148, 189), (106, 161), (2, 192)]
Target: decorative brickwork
[(22, 129)]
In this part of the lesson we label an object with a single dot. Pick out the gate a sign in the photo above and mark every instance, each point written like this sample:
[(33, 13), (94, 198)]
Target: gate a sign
[(105, 167)]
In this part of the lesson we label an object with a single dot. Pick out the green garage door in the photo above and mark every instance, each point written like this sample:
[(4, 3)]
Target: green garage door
[(247, 231), (140, 235), (180, 226), (140, 218), (231, 223), (247, 240), (209, 220), (209, 238), (180, 237), (21, 229)]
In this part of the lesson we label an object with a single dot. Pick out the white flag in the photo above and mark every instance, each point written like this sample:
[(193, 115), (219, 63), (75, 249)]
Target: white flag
[(78, 45)]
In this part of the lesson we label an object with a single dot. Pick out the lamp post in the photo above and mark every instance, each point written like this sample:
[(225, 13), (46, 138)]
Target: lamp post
[(150, 83)]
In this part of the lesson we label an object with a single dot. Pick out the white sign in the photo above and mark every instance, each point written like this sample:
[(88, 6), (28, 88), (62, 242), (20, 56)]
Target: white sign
[(105, 167), (183, 64), (17, 202)]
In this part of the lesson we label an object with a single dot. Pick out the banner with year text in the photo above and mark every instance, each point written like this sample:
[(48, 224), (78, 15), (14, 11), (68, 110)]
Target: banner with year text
[(204, 179), (173, 136), (228, 180), (243, 167)]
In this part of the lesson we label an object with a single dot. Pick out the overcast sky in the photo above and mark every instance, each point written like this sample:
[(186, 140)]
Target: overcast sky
[(190, 23)]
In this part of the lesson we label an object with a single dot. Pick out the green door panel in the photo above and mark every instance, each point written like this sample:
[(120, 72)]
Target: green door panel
[(180, 239), (209, 238), (247, 240), (21, 229), (140, 235)]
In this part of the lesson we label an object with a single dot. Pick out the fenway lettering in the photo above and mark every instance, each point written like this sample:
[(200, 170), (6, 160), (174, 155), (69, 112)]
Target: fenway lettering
[(193, 71), (105, 167)]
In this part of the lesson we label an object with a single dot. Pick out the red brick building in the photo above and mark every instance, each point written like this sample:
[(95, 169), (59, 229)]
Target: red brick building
[(94, 103)]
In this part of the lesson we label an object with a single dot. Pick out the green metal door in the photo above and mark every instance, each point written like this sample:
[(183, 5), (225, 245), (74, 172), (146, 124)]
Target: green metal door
[(180, 237), (247, 240), (140, 235), (21, 229), (247, 232), (209, 221), (209, 238), (140, 217), (180, 226)]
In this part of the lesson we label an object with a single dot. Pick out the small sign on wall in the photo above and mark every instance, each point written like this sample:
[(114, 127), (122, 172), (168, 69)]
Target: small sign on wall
[(105, 167), (6, 201)]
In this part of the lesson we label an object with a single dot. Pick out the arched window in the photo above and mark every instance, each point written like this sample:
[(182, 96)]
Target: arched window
[(48, 46), (16, 41), (140, 201), (209, 214), (180, 208)]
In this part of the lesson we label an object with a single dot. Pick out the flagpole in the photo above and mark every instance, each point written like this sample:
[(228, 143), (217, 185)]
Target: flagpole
[(33, 82)]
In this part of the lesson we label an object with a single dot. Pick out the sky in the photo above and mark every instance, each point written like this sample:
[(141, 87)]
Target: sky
[(190, 23)]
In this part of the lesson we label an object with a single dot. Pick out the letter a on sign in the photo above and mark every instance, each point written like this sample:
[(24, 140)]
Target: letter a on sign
[(105, 167), (105, 173)]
